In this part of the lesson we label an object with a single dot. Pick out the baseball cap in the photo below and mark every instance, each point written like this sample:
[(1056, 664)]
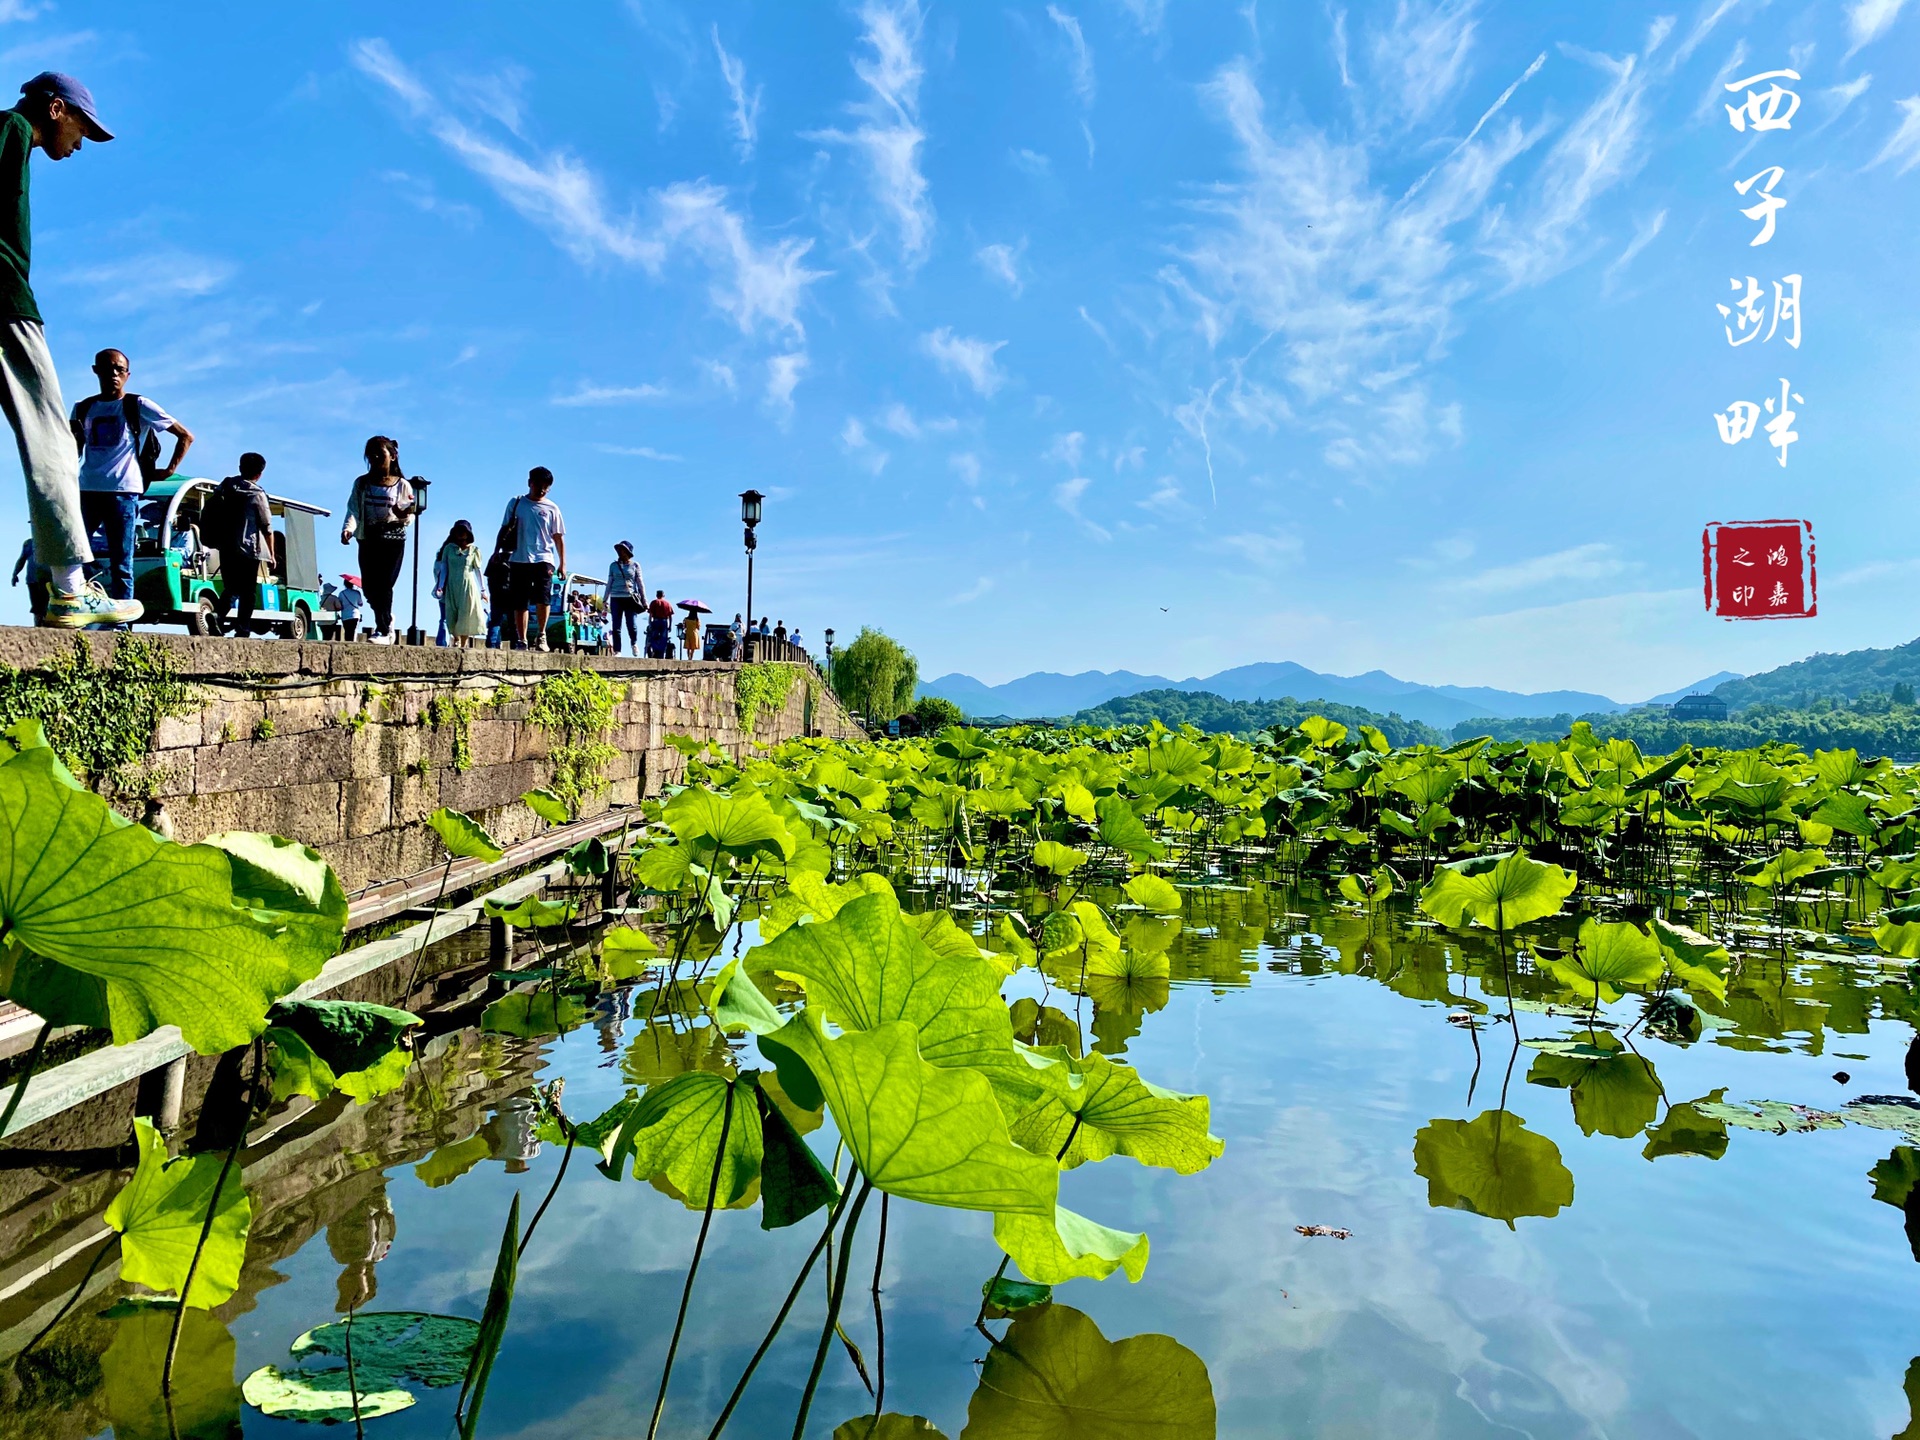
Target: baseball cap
[(76, 95)]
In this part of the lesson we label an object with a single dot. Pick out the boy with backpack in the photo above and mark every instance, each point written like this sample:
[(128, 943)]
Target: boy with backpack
[(119, 438)]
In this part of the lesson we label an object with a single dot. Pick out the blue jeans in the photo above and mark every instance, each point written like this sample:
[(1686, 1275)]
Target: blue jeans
[(115, 512)]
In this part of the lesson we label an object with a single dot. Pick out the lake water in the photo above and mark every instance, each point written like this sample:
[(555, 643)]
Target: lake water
[(1766, 1292)]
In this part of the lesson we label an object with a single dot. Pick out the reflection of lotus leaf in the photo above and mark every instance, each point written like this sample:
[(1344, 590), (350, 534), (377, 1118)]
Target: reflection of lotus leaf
[(1056, 1377), (1886, 1112), (1493, 1166), (1615, 1092), (888, 1427), (1688, 1131), (206, 1402), (1776, 1117), (531, 1016), (1894, 1178)]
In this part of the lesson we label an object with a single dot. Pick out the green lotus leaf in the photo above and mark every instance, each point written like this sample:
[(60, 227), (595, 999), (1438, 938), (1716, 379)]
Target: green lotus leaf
[(1056, 1377), (1322, 733), (867, 966), (1500, 891), (290, 882), (1617, 1094), (1118, 1113), (532, 913), (589, 857), (810, 895), (205, 1401), (1783, 869), (1155, 893), (1007, 1295), (887, 1427), (1044, 1025), (323, 1396), (1057, 859), (738, 824), (1608, 956), (450, 1162), (1698, 961), (348, 1035), (665, 868), (465, 837), (1492, 1166), (1895, 1177), (1120, 828), (186, 935), (161, 1211), (941, 934), (1077, 801), (533, 1014), (1848, 813), (1886, 1112), (57, 994), (1069, 1247), (1687, 1130), (1774, 1117), (392, 1349), (918, 1130), (738, 1004), (548, 806), (383, 1077), (628, 940), (675, 1132), (1900, 939), (1127, 965), (793, 1182)]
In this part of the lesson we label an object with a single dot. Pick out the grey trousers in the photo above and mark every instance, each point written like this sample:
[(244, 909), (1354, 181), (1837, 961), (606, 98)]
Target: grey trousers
[(30, 396)]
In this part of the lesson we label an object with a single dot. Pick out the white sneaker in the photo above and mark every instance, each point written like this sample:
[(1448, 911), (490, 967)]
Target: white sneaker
[(91, 607), (541, 644)]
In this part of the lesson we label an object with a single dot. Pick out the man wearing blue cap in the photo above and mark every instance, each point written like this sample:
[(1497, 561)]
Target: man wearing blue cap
[(56, 114)]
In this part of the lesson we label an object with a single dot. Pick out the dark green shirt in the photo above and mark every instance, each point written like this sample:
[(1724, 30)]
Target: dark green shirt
[(16, 226)]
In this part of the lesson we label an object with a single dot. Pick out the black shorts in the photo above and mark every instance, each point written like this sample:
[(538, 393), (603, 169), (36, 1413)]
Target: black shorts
[(532, 584)]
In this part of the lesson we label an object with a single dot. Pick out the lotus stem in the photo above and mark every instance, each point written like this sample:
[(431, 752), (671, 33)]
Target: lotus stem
[(879, 1316), (686, 1293), (833, 1308), (78, 1291), (799, 1283), (421, 954), (573, 1135), (20, 1086)]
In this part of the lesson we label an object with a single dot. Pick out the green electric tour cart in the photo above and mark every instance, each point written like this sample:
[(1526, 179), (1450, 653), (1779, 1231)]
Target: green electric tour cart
[(178, 578)]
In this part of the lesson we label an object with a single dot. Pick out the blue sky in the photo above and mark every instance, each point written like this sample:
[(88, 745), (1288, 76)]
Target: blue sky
[(1375, 334)]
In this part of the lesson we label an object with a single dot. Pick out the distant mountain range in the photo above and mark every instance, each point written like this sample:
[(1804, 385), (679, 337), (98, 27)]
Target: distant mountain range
[(1047, 695)]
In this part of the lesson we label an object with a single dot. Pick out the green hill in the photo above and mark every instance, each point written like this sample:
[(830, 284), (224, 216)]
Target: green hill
[(1845, 676), (1872, 723), (1209, 712)]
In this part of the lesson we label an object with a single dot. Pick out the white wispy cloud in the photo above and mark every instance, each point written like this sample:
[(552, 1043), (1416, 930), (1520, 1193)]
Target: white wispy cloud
[(746, 107), (966, 357), (1033, 162), (419, 192), (783, 374), (1265, 550), (966, 465), (1068, 494), (1644, 235), (1868, 20), (1002, 262), (1419, 60), (1902, 149), (1839, 98), (756, 284), (1079, 57), (585, 394), (1149, 15), (854, 440), (144, 282), (973, 592), (641, 452), (889, 136), (1581, 562), (1067, 449)]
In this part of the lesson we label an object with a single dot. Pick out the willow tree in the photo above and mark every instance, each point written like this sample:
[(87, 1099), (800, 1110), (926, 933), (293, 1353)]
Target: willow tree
[(876, 675)]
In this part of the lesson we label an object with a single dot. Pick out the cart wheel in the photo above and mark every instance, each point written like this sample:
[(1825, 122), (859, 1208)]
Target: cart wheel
[(204, 617), (302, 622)]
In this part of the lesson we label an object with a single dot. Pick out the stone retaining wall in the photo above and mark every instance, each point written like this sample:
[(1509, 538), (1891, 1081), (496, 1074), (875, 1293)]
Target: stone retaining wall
[(335, 745)]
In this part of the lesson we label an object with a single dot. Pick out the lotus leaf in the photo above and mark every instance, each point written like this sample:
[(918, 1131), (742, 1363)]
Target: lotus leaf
[(675, 1131), (188, 935), (1886, 1112), (1044, 1025), (1492, 1166), (628, 940), (205, 1401), (1118, 1113), (1078, 802), (887, 1427), (1688, 1130), (918, 1130), (1697, 960), (391, 1349), (532, 1014), (160, 1214), (1784, 869), (866, 966), (493, 1324), (589, 857), (1617, 1094), (1776, 1117), (450, 1162), (532, 913), (1609, 955), (548, 806), (464, 836), (1500, 891), (1056, 1377), (738, 1004), (348, 1035), (943, 936), (1068, 1247), (1895, 1177), (1057, 859), (1007, 1295), (793, 1182), (1154, 893), (1123, 830), (810, 895)]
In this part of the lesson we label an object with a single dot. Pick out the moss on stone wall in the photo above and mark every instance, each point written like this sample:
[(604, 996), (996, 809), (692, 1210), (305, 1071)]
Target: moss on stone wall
[(763, 687), (576, 708), (100, 719)]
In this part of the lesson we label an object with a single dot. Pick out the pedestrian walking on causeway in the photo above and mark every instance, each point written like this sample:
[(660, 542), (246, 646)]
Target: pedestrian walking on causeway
[(499, 577), (238, 522), (380, 507), (55, 114), (690, 636), (626, 595), (464, 596), (537, 533), (352, 601), (118, 433), (660, 627)]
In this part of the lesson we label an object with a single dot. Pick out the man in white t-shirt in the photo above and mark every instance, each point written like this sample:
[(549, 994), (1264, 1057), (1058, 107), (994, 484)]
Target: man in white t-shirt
[(539, 550), (111, 428)]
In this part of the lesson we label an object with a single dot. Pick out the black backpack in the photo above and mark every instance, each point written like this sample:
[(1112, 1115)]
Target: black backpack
[(146, 452)]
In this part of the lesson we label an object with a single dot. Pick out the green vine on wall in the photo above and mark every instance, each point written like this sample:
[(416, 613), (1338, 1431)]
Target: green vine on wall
[(576, 707), (457, 715), (764, 686), (100, 719)]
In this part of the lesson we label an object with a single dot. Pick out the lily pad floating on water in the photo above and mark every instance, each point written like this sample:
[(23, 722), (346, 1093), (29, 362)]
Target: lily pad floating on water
[(1776, 1117), (1886, 1112), (392, 1350)]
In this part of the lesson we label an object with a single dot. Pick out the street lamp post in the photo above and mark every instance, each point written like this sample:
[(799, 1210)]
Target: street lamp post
[(829, 657), (415, 636), (750, 516)]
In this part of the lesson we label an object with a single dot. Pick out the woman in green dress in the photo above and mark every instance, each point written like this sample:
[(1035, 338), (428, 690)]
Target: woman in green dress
[(466, 590)]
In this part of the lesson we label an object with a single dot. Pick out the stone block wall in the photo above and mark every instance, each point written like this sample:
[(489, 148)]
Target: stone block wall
[(336, 744)]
